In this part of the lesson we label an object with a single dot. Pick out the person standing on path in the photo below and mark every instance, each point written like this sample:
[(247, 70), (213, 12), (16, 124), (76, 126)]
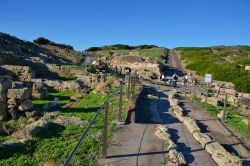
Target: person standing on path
[(175, 78)]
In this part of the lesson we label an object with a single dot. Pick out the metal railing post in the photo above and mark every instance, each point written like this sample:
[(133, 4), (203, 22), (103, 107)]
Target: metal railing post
[(129, 85), (224, 108), (120, 103), (105, 131), (192, 89)]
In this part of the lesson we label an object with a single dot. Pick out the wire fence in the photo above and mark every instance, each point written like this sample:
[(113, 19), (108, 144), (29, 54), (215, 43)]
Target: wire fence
[(127, 87)]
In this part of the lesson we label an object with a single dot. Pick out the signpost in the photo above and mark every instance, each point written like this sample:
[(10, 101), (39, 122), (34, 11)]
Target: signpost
[(208, 79)]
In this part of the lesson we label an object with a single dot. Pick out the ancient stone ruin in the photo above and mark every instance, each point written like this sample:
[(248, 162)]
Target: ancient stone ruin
[(147, 68), (23, 73)]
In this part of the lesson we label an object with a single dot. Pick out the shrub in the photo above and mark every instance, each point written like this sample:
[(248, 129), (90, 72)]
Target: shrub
[(93, 49), (242, 84), (42, 40)]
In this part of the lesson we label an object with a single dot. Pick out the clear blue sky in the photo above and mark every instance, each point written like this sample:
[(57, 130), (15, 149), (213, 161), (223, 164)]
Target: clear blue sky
[(168, 23)]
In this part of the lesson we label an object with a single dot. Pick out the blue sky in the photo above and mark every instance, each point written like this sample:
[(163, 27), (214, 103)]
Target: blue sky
[(168, 23)]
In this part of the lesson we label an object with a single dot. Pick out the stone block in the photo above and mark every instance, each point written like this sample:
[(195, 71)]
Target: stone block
[(22, 94), (191, 125), (26, 105), (17, 85), (202, 138)]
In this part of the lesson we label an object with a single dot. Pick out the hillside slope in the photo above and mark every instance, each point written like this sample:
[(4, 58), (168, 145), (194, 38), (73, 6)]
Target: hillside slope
[(14, 50), (225, 63)]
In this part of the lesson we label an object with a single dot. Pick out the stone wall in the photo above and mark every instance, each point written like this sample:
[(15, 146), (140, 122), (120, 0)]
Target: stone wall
[(98, 82), (19, 103), (146, 68), (23, 73), (59, 85)]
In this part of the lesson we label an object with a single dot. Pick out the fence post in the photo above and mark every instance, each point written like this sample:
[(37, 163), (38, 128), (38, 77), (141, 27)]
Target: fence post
[(105, 131), (224, 108), (206, 94), (248, 124), (120, 103), (192, 90), (129, 85)]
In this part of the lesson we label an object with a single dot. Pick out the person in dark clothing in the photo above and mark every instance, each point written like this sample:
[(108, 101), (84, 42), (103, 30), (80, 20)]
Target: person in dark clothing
[(175, 78)]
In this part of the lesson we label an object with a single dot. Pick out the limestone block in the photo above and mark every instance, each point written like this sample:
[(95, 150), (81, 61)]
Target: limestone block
[(25, 105), (173, 102), (191, 125), (175, 157), (202, 138), (22, 94), (39, 91), (12, 101)]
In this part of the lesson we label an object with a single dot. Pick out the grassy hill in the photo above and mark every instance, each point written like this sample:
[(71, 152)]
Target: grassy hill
[(142, 50), (225, 63)]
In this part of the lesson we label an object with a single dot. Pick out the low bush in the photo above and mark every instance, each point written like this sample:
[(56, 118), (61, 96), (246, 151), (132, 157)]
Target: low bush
[(42, 40)]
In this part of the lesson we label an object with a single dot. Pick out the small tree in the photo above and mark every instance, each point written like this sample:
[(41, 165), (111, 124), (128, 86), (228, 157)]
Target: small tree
[(42, 40)]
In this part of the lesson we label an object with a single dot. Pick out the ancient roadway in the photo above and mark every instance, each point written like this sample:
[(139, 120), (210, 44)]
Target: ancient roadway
[(135, 144)]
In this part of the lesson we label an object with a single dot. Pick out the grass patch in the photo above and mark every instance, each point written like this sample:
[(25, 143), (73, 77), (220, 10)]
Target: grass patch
[(82, 68), (64, 97), (55, 143), (233, 120), (158, 53)]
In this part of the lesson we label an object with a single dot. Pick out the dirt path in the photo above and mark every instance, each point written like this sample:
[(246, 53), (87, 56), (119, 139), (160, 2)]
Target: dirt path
[(211, 125), (136, 144)]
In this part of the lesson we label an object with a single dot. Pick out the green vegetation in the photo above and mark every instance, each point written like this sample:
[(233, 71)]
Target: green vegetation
[(64, 97), (42, 41), (55, 143), (68, 76), (234, 119), (76, 67), (120, 47), (149, 52), (224, 63)]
